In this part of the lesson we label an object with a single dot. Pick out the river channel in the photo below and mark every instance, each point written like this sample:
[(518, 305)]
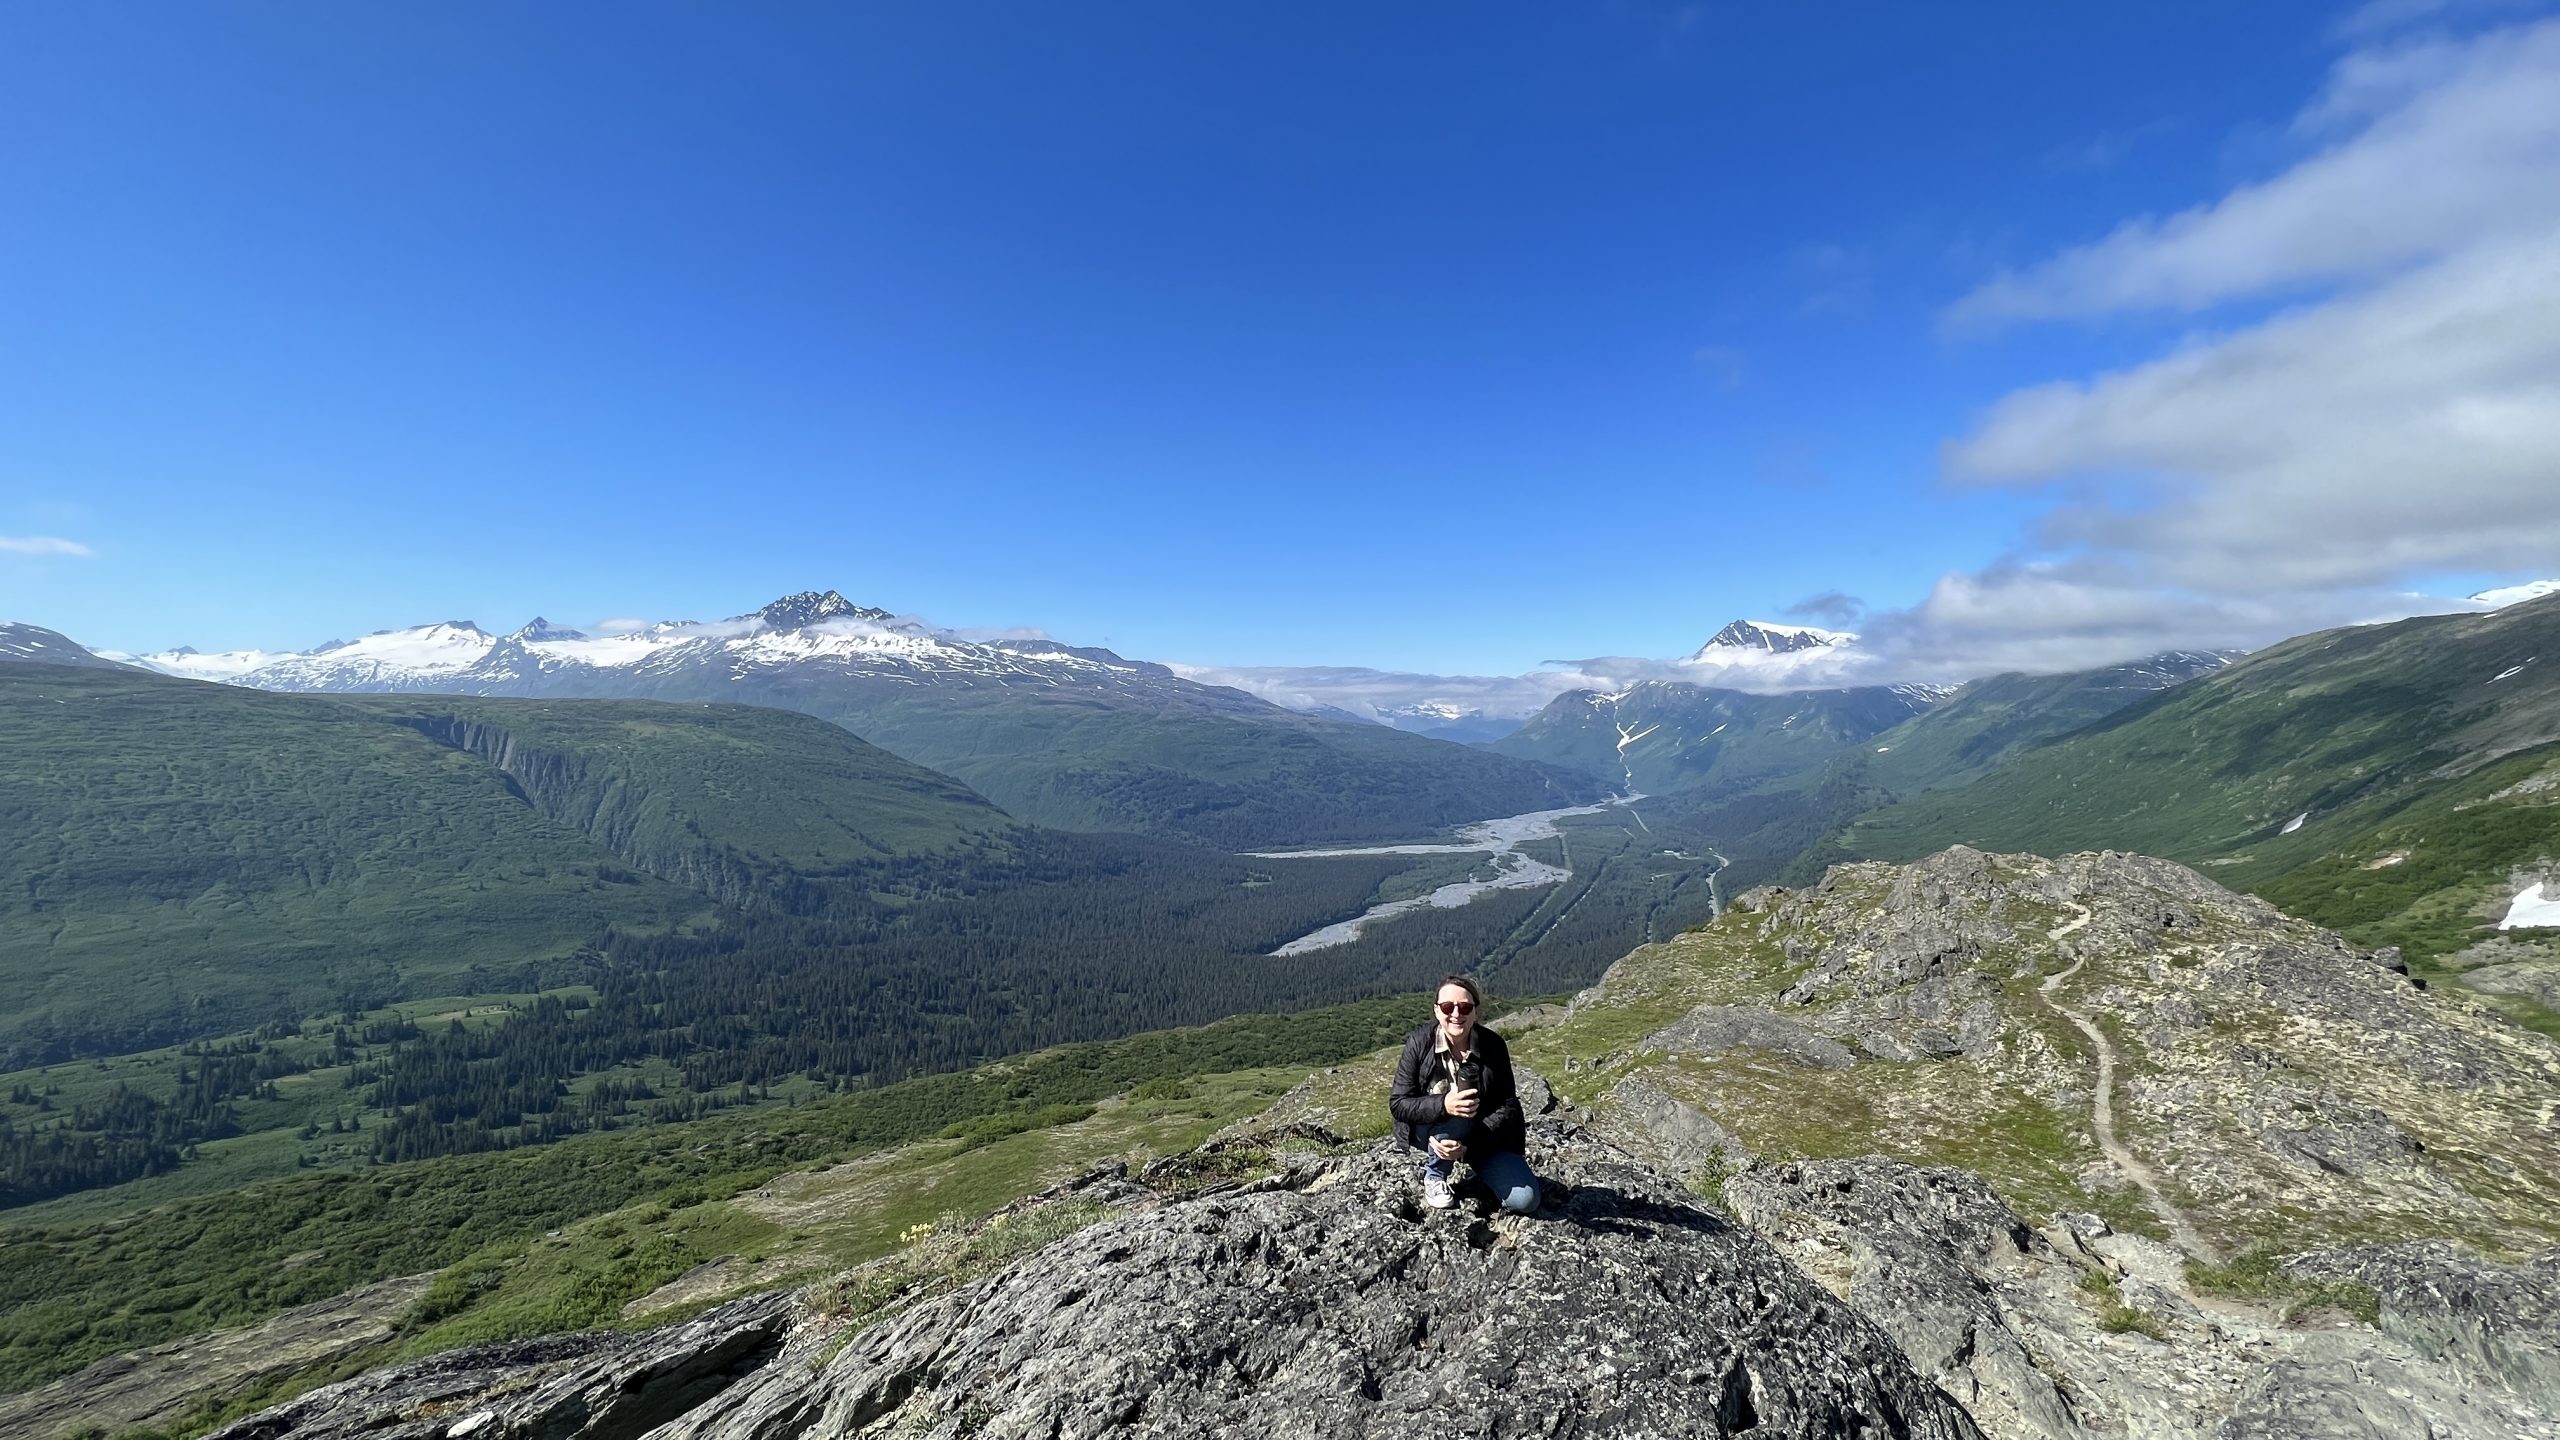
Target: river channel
[(1500, 840)]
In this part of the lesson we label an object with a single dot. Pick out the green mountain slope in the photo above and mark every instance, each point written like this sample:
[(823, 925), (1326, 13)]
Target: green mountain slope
[(1764, 777), (2368, 737), (1157, 757), (1222, 768), (182, 858), (1662, 737), (1986, 721), (73, 1293), (727, 799)]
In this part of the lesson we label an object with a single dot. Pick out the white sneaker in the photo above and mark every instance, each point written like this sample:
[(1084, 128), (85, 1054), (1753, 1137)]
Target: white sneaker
[(1437, 1194)]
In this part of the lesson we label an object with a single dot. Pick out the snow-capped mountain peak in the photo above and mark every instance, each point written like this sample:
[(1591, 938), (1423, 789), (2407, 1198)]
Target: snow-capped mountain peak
[(812, 607), (1772, 638), (816, 630), (1764, 653)]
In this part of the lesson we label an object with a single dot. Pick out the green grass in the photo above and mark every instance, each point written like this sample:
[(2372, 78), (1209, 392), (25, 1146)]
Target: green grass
[(70, 1294), (2255, 1275), (2343, 721), (2115, 1316)]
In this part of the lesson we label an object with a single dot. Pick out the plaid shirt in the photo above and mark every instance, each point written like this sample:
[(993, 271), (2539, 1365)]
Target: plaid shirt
[(1445, 1063)]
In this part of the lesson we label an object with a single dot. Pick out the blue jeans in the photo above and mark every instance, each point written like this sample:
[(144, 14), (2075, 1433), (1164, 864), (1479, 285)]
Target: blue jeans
[(1505, 1172)]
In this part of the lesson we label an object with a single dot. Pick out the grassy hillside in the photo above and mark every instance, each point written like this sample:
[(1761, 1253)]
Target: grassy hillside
[(179, 858), (1236, 781), (182, 858), (669, 909), (735, 801), (1987, 721), (2377, 739)]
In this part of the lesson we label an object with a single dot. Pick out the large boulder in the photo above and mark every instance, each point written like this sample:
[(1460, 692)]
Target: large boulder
[(1304, 1294)]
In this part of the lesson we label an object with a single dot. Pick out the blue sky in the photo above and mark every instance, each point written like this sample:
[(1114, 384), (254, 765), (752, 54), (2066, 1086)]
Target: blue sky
[(1429, 336)]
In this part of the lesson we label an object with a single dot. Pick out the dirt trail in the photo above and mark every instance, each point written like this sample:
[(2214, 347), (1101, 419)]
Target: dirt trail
[(2102, 1111)]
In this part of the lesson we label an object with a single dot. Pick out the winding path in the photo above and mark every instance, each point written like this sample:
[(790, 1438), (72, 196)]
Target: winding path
[(2102, 1112)]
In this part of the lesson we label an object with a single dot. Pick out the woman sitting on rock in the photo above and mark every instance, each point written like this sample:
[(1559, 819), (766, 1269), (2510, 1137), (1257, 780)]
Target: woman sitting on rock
[(1454, 1098)]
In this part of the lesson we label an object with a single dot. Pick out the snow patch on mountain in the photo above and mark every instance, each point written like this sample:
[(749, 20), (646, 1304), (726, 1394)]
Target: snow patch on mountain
[(1770, 637), (812, 628), (189, 663), (2506, 595), (2534, 908)]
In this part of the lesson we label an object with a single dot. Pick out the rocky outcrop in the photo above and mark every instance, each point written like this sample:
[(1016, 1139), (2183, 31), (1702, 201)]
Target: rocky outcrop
[(593, 1385), (2452, 1305), (1917, 1246), (1714, 1029), (158, 1387), (1668, 1131), (2180, 1049), (1303, 1293), (2072, 1330)]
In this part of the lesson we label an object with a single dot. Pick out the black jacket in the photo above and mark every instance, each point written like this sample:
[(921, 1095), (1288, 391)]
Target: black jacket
[(1499, 1123)]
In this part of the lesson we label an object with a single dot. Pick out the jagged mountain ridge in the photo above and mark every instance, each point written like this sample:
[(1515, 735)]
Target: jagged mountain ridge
[(1072, 737), (460, 657), (1771, 637)]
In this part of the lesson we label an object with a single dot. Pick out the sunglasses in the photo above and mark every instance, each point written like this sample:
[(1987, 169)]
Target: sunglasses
[(1457, 1007)]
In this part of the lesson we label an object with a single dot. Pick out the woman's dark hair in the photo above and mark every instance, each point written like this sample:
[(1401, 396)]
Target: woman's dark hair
[(1467, 983)]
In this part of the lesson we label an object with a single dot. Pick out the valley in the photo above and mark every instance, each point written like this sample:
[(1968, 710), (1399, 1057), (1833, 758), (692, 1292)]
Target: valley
[(664, 1002), (1504, 867)]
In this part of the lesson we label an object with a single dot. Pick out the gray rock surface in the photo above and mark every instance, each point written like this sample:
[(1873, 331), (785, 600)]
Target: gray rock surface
[(2534, 980), (159, 1386), (1917, 1242), (1713, 1029), (2451, 1304), (1316, 1301), (2025, 1326), (1668, 1131), (594, 1385)]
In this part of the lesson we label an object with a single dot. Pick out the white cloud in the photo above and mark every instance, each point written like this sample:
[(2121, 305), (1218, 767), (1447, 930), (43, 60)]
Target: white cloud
[(2379, 17), (2432, 148), (1368, 693), (43, 545), (2409, 429), (2300, 469)]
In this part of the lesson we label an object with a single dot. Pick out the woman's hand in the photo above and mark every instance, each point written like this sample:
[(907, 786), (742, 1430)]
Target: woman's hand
[(1448, 1149), (1459, 1102)]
